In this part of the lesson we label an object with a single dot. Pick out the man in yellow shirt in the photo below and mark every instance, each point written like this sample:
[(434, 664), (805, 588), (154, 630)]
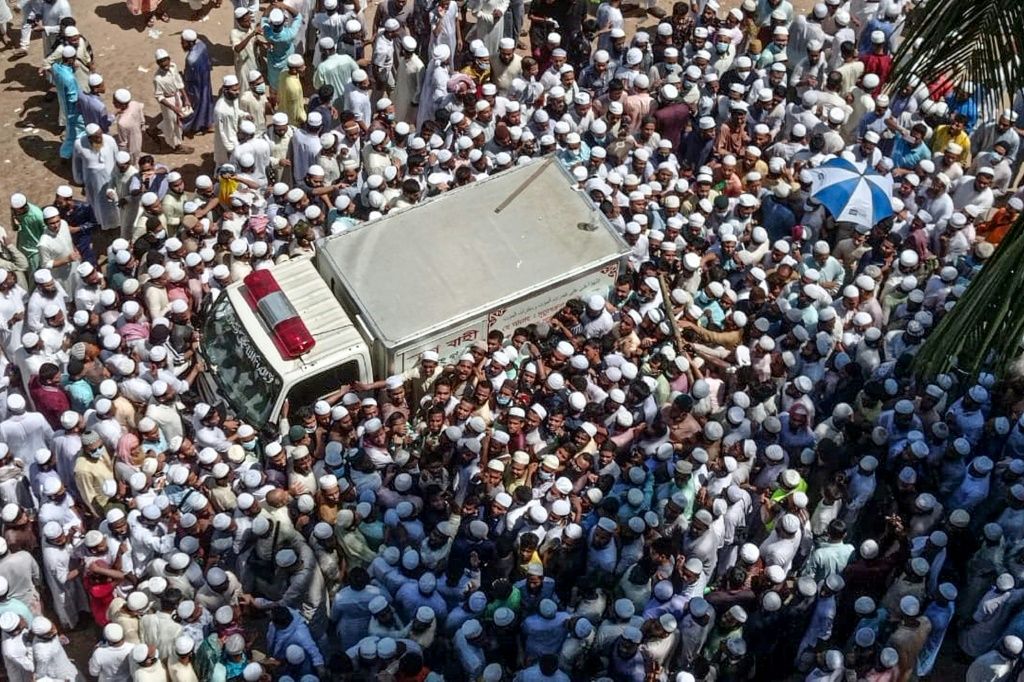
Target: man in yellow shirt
[(290, 100), (954, 131)]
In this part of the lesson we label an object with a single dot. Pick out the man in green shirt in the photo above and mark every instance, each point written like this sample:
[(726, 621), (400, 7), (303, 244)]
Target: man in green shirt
[(27, 221)]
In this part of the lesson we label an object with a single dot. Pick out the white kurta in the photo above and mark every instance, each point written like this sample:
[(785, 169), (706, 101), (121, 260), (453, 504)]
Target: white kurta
[(226, 117), (54, 247), (24, 434), (488, 28), (52, 662), (94, 169), (17, 657), (69, 596), (160, 630), (444, 30), (167, 86), (408, 73), (435, 87), (112, 663), (245, 60)]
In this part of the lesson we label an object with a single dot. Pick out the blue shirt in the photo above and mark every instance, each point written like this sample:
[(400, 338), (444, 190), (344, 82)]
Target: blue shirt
[(875, 24), (778, 220), (297, 632), (905, 156), (80, 394), (968, 108)]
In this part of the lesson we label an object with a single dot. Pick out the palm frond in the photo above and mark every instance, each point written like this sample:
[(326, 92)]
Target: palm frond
[(985, 329), (963, 40)]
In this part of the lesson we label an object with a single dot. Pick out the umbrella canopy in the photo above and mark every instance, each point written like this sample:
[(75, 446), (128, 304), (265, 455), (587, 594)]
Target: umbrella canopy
[(852, 191)]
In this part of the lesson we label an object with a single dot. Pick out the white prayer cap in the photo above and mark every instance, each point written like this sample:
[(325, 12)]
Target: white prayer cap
[(910, 606), (41, 625), (122, 96), (92, 129), (18, 200), (137, 601), (184, 645), (68, 51), (160, 54), (189, 36), (225, 614), (1012, 645), (114, 633), (286, 558)]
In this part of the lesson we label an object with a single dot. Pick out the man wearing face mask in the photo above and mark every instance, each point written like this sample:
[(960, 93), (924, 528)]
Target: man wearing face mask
[(997, 159), (248, 443), (254, 100)]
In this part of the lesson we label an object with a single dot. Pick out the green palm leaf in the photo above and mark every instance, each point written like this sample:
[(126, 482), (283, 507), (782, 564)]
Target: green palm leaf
[(964, 40), (961, 40), (986, 326)]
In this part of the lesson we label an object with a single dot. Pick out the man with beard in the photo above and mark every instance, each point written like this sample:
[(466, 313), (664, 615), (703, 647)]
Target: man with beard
[(226, 116)]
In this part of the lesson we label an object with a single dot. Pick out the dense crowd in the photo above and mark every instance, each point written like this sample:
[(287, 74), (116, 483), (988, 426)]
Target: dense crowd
[(723, 468)]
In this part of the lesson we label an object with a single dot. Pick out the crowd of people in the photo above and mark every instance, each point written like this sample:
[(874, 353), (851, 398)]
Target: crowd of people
[(723, 468)]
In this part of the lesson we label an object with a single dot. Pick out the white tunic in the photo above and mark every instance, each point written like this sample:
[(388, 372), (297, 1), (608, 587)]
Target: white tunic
[(22, 573), (68, 595), (94, 169), (17, 657), (160, 630), (54, 247), (52, 662), (112, 663), (226, 116), (24, 434)]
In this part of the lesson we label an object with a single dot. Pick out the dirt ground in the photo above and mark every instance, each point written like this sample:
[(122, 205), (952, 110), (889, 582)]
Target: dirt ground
[(29, 133), (124, 47)]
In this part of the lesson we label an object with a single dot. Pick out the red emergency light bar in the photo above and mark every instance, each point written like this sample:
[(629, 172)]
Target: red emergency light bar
[(289, 332)]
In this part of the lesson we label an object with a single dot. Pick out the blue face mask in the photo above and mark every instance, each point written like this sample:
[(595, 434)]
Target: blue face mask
[(249, 445)]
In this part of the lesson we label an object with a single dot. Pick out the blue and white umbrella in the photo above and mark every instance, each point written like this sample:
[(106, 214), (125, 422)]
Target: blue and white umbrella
[(852, 191)]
